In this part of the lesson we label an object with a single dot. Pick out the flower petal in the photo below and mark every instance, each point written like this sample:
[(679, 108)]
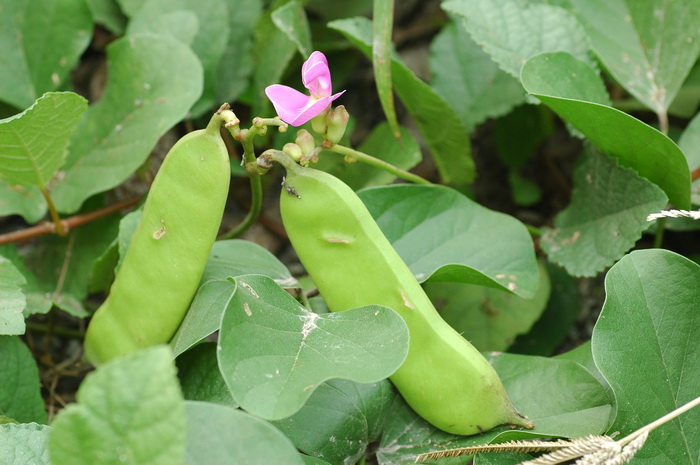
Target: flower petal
[(313, 109), (316, 76), (293, 107)]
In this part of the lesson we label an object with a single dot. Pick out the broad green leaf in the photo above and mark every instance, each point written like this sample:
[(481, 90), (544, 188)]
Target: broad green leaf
[(606, 217), (687, 100), (236, 65), (404, 153), (553, 327), (219, 435), (153, 81), (12, 299), (469, 80), (690, 145), (160, 16), (501, 458), (643, 148), (339, 420), (519, 133), (20, 390), (36, 298), (228, 258), (291, 20), (33, 143), (512, 31), (26, 201), (488, 318), (583, 355), (130, 7), (648, 46), (108, 14), (439, 124), (645, 345), (128, 411), (40, 43), (559, 396), (273, 352), (444, 236), (200, 378), (308, 460), (382, 28), (24, 444)]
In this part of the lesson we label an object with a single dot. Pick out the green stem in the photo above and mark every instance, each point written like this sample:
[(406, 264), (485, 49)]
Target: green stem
[(60, 230), (370, 160), (533, 230), (659, 236)]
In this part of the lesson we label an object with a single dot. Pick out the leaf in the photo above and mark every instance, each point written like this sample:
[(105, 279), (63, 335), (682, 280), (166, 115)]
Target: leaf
[(649, 47), (273, 353), (219, 435), (33, 143), (129, 411), (466, 77), (339, 420), (444, 134), (644, 149), (230, 258), (24, 444), (20, 393), (606, 217), (512, 31), (290, 18), (584, 357), (559, 396), (644, 344), (382, 27), (488, 318), (40, 43), (12, 299), (108, 14), (209, 16), (689, 143), (404, 153), (200, 378), (444, 236), (26, 201), (153, 81)]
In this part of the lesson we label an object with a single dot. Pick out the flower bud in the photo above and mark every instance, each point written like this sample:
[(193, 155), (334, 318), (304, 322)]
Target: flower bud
[(337, 122), (306, 141), (293, 150), (320, 123)]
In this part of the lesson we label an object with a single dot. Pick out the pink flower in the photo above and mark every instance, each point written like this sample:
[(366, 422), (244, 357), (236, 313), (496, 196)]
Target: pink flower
[(295, 108)]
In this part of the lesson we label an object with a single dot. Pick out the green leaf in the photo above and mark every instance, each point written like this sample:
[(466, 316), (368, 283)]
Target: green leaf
[(40, 43), (160, 16), (37, 300), (236, 65), (488, 318), (404, 153), (382, 28), (520, 132), (108, 14), (33, 143), (645, 345), (26, 201), (291, 20), (273, 352), (649, 47), (24, 444), (12, 299), (690, 145), (339, 420), (219, 435), (444, 236), (583, 355), (129, 411), (559, 396), (512, 31), (466, 77), (229, 258), (20, 391), (153, 81), (606, 217), (200, 378), (644, 149), (438, 123)]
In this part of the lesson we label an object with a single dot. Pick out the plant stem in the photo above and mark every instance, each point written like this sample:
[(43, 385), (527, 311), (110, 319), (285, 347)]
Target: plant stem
[(663, 120), (533, 230), (370, 160), (58, 225), (659, 236), (655, 424)]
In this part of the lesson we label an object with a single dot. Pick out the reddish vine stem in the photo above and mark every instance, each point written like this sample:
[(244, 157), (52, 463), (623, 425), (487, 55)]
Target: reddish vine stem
[(695, 175), (48, 227)]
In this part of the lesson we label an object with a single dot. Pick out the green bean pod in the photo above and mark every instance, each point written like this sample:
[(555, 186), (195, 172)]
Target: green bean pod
[(162, 267), (444, 378)]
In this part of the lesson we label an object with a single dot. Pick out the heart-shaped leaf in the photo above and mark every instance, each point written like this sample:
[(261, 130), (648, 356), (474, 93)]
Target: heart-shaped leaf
[(24, 444), (273, 353), (20, 391), (444, 236), (645, 345), (200, 378)]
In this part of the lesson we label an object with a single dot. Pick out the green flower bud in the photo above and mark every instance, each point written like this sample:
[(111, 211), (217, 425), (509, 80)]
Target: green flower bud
[(306, 141), (337, 122), (320, 123), (293, 150)]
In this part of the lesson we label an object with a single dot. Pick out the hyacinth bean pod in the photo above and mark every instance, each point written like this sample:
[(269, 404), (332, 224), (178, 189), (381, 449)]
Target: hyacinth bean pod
[(444, 378), (168, 251)]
